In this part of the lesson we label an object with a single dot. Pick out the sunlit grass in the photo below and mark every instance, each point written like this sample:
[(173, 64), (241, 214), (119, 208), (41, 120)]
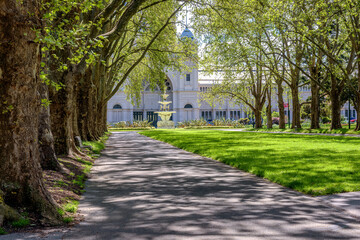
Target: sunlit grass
[(316, 165), (344, 130), (99, 145), (71, 206)]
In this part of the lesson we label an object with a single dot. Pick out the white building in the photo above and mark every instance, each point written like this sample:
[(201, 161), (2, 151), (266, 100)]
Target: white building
[(184, 91)]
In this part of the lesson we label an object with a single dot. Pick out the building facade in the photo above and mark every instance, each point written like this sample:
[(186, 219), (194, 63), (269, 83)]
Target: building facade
[(184, 91)]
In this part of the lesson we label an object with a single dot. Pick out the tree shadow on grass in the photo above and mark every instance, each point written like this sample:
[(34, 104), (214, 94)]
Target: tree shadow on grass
[(143, 189)]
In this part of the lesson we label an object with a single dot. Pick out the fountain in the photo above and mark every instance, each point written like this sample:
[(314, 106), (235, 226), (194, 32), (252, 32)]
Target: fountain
[(165, 114)]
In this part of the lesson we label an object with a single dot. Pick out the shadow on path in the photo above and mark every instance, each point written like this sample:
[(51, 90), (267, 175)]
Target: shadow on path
[(145, 189)]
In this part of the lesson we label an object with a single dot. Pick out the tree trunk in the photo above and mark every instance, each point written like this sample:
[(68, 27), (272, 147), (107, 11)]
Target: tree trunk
[(269, 123), (357, 128), (257, 113), (48, 158), (87, 106), (357, 99), (335, 105), (281, 105), (315, 106), (63, 115), (296, 108), (20, 170)]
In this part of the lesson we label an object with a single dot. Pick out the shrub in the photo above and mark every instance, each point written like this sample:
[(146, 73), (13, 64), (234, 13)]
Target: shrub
[(275, 114), (142, 124), (198, 122), (276, 120), (326, 120), (217, 122), (122, 124), (244, 121), (135, 124)]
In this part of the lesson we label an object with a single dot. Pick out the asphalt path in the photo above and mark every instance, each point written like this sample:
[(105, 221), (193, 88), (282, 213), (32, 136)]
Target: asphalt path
[(143, 189)]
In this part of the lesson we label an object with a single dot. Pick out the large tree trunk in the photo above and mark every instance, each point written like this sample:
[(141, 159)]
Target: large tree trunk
[(357, 108), (296, 108), (64, 103), (357, 128), (335, 93), (20, 170), (104, 119), (357, 100), (280, 93), (258, 123), (315, 106), (48, 158)]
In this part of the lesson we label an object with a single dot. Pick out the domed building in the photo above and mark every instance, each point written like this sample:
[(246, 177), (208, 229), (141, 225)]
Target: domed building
[(184, 91), (187, 33)]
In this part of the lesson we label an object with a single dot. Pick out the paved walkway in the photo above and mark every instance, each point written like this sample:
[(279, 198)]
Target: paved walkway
[(144, 189)]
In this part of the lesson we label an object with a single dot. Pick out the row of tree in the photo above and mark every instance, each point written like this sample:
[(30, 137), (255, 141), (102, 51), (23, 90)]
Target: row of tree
[(262, 45), (60, 62)]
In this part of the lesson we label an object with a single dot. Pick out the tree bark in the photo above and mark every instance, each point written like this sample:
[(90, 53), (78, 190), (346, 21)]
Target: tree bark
[(357, 99), (315, 106), (280, 94), (296, 108), (48, 158), (357, 128), (269, 123), (258, 123), (64, 103), (335, 93), (20, 170)]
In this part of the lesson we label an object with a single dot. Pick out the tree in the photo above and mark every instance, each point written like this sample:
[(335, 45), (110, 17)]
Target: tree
[(233, 40), (107, 47), (20, 106)]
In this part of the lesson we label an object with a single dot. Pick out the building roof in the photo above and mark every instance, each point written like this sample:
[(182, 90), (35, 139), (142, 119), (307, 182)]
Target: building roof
[(187, 33)]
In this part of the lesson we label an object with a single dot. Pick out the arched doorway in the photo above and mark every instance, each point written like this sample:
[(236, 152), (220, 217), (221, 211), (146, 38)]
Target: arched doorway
[(188, 112), (117, 113)]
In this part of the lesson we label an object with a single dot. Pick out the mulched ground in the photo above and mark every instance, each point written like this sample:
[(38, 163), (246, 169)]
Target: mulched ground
[(63, 189)]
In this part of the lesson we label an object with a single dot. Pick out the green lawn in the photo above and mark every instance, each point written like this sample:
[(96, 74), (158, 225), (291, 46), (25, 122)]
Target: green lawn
[(316, 165), (344, 130)]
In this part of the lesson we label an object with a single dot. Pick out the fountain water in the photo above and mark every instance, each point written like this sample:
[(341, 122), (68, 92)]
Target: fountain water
[(165, 113)]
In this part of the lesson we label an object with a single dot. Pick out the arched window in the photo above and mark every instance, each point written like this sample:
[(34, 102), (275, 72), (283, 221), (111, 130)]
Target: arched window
[(148, 89), (168, 85), (188, 106), (117, 106)]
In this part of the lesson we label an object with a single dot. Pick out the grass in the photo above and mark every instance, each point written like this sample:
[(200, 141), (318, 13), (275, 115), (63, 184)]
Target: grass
[(323, 129), (99, 145), (68, 220), (72, 206), (80, 180), (61, 211), (312, 164), (128, 129), (2, 231), (22, 222)]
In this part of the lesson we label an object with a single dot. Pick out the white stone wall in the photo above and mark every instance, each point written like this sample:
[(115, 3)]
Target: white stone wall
[(188, 92)]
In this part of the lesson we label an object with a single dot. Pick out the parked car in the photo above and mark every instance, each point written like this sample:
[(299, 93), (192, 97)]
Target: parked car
[(353, 120)]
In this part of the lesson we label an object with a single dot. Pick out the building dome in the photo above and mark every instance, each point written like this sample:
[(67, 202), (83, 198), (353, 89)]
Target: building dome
[(187, 33)]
